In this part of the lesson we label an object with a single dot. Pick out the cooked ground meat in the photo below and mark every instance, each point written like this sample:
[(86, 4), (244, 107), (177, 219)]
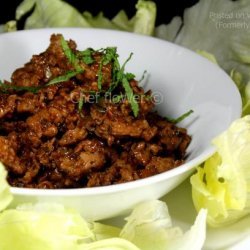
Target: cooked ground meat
[(54, 133)]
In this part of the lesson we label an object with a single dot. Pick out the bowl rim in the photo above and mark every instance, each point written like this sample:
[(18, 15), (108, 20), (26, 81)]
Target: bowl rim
[(122, 187)]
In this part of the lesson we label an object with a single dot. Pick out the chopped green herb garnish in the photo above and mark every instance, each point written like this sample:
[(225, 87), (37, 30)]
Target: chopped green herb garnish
[(143, 76), (125, 78), (64, 78), (80, 103), (100, 76), (87, 56), (148, 97), (130, 95), (5, 87), (70, 54), (180, 118), (129, 76), (124, 64), (109, 56), (119, 76)]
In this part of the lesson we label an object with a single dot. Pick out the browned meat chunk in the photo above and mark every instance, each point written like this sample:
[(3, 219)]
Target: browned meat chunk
[(66, 121), (7, 105), (9, 158)]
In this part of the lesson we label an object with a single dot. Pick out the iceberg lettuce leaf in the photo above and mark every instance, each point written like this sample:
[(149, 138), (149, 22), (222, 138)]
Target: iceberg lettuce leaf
[(244, 88), (50, 13), (99, 21), (57, 13), (222, 184), (150, 227), (42, 226), (24, 7), (5, 194), (207, 55), (144, 20), (122, 21), (103, 231), (108, 244), (219, 27), (214, 26), (169, 31)]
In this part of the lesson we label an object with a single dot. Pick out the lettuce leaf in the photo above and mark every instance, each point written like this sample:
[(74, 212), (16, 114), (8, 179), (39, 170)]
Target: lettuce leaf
[(5, 195), (108, 244), (244, 88), (207, 55), (150, 227), (220, 27), (50, 226), (57, 13), (103, 231), (222, 183), (169, 31), (50, 13), (220, 31), (237, 77), (42, 226), (144, 20)]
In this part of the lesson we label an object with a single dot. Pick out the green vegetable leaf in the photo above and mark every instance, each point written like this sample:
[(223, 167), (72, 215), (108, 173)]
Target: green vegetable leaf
[(70, 55), (43, 226), (109, 244), (64, 78), (180, 118), (124, 64), (149, 226), (5, 194), (100, 21), (24, 7), (10, 26), (4, 88), (144, 20), (207, 55), (100, 76), (80, 103), (87, 56), (109, 56), (244, 88), (226, 193), (2, 28), (226, 36), (103, 231), (46, 14), (130, 96)]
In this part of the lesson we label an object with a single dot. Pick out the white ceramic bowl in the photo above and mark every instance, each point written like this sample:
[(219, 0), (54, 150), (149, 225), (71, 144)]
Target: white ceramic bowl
[(180, 79)]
